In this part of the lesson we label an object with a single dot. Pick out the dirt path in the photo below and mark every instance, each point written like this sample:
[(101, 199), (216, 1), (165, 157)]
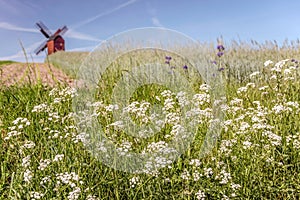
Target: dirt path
[(20, 73)]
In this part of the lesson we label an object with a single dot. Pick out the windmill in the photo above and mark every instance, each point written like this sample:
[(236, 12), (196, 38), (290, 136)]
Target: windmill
[(54, 42)]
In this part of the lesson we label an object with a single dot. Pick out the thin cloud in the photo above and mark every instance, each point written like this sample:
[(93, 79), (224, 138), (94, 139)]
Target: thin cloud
[(70, 34), (81, 36), (89, 20), (87, 48), (18, 7), (156, 22), (20, 55), (8, 26), (153, 13)]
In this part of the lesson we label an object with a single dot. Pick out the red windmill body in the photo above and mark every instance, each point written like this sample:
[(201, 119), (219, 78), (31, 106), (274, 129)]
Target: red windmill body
[(54, 43)]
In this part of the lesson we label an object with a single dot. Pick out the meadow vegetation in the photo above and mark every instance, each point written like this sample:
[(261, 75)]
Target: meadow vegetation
[(256, 156)]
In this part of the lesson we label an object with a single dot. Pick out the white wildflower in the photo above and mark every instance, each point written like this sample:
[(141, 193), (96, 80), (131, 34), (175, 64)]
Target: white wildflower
[(45, 180), (67, 179), (278, 109), (263, 88), (244, 126), (81, 137), (195, 162), (73, 195), (274, 139), (117, 124), (172, 118), (196, 175), (177, 130), (44, 163), (28, 145), (92, 197), (58, 158), (287, 71), (26, 162), (270, 160), (36, 195), (11, 134), (205, 87), (250, 85), (235, 186), (267, 63), (242, 90), (201, 99), (111, 108), (236, 101), (134, 181), (281, 63), (125, 148), (224, 176), (185, 175), (254, 74), (296, 144), (28, 175), (292, 104), (200, 195), (274, 76), (208, 172), (167, 94), (182, 99), (168, 104), (247, 144)]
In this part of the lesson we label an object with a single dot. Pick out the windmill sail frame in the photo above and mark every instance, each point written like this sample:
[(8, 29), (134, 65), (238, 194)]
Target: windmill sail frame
[(53, 41)]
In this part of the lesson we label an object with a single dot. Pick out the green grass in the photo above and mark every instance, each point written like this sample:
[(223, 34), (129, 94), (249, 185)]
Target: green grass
[(6, 62), (69, 62), (257, 155)]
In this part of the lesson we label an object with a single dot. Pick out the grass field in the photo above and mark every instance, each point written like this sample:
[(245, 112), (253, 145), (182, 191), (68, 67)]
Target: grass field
[(257, 156), (5, 62)]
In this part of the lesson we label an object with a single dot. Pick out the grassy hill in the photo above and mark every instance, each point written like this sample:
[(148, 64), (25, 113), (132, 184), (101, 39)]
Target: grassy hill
[(6, 62), (69, 62), (244, 137), (240, 58)]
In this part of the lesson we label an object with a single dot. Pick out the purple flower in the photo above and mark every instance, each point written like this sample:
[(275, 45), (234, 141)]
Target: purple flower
[(220, 47), (214, 62), (294, 61), (168, 58), (185, 67), (167, 62), (220, 54), (221, 69)]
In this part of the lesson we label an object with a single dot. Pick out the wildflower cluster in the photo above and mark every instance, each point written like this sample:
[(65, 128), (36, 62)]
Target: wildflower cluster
[(44, 152), (168, 62), (219, 54), (56, 127), (17, 127), (220, 49)]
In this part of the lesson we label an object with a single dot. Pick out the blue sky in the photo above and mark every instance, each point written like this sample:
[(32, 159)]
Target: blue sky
[(91, 21)]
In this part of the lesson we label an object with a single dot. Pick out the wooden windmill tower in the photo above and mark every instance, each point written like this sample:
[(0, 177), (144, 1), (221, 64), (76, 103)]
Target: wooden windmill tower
[(54, 42)]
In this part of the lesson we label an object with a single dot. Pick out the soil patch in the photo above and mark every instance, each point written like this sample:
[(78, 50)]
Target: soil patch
[(22, 73)]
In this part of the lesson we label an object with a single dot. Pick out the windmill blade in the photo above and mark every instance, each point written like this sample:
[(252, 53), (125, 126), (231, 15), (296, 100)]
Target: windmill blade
[(59, 32), (43, 28), (41, 48), (63, 30)]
